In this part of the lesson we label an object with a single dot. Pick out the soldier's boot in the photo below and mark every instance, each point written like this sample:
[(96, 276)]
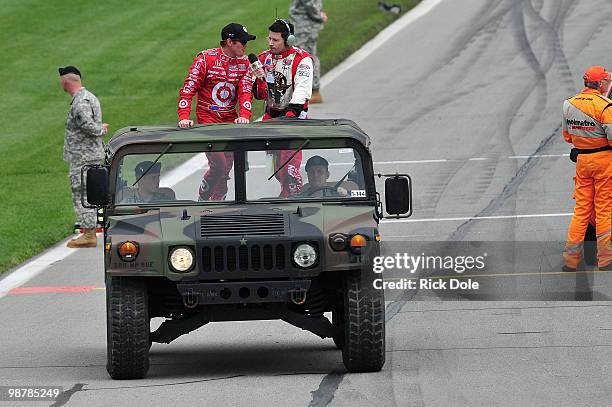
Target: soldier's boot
[(87, 239), (316, 97)]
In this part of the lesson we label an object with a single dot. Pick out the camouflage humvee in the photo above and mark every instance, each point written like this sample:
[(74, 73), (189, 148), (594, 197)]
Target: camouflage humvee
[(253, 255)]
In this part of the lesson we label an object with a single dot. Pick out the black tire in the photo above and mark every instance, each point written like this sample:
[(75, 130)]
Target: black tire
[(127, 328), (364, 325)]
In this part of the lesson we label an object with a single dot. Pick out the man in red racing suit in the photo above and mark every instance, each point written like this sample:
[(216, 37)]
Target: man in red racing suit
[(219, 77), (285, 82)]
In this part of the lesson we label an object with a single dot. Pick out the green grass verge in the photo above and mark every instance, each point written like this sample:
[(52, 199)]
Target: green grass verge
[(134, 57)]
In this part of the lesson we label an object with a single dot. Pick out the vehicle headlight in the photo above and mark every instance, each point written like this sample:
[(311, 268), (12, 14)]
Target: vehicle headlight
[(304, 255), (181, 259)]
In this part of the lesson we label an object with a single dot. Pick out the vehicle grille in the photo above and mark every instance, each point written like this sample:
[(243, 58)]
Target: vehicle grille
[(256, 257), (242, 225)]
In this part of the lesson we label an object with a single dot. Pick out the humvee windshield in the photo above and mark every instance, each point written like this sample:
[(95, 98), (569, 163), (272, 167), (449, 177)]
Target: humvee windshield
[(324, 173)]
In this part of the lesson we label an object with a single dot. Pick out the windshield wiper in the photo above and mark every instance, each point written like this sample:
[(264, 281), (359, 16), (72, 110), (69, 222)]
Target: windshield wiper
[(154, 162), (337, 184), (289, 159)]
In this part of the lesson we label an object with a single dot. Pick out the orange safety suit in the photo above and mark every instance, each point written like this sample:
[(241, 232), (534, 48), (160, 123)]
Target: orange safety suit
[(587, 124)]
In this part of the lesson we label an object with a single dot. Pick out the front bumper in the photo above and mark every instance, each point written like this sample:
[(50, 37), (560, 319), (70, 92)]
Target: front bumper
[(243, 292)]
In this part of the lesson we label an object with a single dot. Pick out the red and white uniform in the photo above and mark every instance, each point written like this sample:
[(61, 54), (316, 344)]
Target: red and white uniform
[(286, 89), (219, 82), (288, 81)]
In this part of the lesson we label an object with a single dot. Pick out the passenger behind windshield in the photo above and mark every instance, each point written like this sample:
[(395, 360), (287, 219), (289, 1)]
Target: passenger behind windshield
[(148, 189), (317, 171)]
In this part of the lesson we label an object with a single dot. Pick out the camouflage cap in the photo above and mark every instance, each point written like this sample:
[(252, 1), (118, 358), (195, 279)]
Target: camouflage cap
[(144, 166)]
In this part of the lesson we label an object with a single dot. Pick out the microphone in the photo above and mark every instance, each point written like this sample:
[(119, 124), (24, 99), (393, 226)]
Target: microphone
[(255, 62)]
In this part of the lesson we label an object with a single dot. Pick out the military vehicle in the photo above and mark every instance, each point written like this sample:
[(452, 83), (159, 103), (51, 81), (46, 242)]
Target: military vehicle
[(252, 254)]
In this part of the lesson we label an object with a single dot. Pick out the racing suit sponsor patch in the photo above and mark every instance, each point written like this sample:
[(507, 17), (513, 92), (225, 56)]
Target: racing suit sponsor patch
[(223, 94)]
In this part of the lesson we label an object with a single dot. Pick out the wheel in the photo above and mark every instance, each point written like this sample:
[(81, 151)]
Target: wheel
[(364, 324), (127, 328)]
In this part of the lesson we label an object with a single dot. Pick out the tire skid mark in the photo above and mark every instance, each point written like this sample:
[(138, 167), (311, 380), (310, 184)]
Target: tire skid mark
[(326, 391), (557, 55), (463, 44), (395, 306), (482, 21), (597, 30), (547, 62), (491, 152), (570, 7), (553, 29), (540, 77), (416, 394), (602, 19), (511, 187), (483, 18), (539, 85), (65, 396), (145, 386), (482, 24), (538, 5)]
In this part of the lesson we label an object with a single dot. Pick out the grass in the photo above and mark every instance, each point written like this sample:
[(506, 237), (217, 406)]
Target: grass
[(134, 56)]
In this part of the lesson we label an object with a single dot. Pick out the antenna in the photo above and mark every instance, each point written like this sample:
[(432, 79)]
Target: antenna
[(276, 12)]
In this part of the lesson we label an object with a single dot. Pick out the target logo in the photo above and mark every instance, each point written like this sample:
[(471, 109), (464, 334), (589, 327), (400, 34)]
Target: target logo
[(183, 103), (224, 94), (247, 105)]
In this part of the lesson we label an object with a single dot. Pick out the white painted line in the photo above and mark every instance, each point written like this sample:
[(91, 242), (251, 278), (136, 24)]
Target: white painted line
[(539, 215), (451, 160), (410, 162), (181, 172), (537, 156), (34, 267), (417, 12)]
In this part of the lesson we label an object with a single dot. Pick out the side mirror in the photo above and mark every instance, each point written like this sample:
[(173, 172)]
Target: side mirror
[(398, 195), (97, 185)]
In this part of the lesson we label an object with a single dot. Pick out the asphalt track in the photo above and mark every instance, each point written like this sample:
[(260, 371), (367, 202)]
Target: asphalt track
[(467, 101)]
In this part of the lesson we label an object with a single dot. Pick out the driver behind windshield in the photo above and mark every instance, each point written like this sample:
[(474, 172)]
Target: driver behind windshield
[(148, 189), (317, 171)]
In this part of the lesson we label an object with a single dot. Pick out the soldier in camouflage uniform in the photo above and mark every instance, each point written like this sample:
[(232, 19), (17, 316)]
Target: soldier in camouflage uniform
[(147, 173), (82, 145), (308, 18)]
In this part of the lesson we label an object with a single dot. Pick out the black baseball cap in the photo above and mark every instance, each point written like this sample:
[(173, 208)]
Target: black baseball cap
[(235, 31), (144, 165), (69, 69), (316, 160)]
